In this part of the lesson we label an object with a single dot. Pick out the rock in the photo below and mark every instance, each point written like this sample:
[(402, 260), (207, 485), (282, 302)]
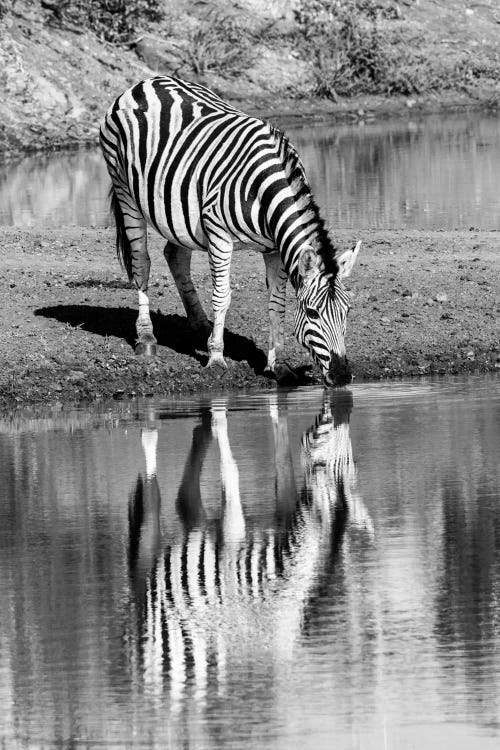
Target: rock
[(274, 70), (158, 54), (47, 94), (441, 297), (75, 375)]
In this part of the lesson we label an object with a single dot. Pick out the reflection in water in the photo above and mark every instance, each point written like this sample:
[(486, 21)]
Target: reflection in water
[(222, 601), (222, 575), (436, 172), (54, 189)]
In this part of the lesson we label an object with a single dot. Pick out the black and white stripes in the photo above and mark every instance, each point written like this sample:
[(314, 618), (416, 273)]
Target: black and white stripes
[(204, 174), (220, 590)]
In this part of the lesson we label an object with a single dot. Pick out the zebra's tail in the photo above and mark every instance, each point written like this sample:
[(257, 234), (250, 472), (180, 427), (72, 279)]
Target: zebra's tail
[(123, 246)]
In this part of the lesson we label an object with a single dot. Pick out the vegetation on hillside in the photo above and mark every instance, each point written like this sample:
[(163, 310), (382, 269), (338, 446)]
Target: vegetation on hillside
[(221, 44), (111, 20), (354, 47), (372, 47), (67, 57)]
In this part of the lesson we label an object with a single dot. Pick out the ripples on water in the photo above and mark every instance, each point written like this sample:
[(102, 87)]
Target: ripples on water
[(438, 172), (285, 571)]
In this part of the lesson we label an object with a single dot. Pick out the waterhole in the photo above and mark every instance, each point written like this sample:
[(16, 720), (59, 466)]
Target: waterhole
[(301, 569)]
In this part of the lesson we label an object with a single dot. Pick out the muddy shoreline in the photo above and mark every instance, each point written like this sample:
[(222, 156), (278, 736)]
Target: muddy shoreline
[(424, 303)]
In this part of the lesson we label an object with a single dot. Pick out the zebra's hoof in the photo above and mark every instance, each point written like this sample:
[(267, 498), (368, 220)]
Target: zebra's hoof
[(217, 361), (284, 374), (145, 348)]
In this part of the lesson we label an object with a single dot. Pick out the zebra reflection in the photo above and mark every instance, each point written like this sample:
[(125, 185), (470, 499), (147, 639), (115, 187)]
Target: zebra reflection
[(221, 591)]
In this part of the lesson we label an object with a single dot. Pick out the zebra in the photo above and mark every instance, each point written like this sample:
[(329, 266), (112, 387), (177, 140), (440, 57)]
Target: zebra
[(203, 174), (218, 590)]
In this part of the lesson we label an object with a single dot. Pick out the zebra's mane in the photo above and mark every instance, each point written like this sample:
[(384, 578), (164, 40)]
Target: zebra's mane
[(305, 201)]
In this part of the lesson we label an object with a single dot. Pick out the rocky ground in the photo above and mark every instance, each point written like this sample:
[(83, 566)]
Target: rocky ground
[(424, 303)]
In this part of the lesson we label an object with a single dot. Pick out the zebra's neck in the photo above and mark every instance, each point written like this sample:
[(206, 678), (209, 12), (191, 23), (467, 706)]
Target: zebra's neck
[(292, 215)]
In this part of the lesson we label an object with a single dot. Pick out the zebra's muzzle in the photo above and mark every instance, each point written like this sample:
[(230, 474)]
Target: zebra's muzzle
[(339, 373)]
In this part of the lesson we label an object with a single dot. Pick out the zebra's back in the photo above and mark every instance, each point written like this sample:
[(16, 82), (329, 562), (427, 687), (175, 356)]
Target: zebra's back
[(179, 151)]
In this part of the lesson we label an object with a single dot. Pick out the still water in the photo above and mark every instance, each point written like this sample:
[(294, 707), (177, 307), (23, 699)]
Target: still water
[(301, 569), (437, 172)]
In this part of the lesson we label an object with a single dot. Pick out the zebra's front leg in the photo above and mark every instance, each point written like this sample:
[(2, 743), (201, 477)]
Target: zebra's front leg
[(179, 262), (285, 485), (233, 520), (219, 256), (276, 279)]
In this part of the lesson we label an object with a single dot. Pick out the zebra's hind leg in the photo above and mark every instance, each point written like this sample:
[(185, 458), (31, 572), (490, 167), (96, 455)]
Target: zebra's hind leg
[(146, 341), (276, 279), (179, 262), (141, 264), (132, 247)]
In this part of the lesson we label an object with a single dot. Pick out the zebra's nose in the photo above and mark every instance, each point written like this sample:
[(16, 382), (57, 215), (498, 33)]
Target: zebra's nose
[(339, 373)]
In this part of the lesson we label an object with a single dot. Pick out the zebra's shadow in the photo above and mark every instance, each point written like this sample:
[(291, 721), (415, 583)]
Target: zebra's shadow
[(171, 331)]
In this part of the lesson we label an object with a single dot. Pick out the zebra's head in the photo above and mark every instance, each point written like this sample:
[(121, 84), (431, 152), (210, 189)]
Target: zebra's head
[(321, 313)]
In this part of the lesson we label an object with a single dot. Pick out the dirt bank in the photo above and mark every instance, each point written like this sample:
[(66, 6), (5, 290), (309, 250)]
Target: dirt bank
[(425, 302)]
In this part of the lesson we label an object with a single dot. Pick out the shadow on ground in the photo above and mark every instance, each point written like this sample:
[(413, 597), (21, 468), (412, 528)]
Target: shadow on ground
[(172, 331)]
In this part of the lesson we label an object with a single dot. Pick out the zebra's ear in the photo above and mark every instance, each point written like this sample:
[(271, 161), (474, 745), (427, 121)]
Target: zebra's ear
[(347, 260), (309, 262)]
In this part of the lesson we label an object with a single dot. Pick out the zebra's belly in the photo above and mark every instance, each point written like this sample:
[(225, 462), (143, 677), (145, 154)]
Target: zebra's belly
[(174, 209), (187, 230), (192, 238), (175, 218)]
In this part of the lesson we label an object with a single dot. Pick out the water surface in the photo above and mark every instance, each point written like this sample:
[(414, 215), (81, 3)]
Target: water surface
[(435, 172), (293, 570)]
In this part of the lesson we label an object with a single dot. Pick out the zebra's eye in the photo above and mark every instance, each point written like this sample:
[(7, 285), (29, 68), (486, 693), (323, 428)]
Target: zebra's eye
[(312, 313)]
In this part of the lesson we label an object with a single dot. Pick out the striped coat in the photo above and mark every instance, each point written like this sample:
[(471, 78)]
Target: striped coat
[(203, 175)]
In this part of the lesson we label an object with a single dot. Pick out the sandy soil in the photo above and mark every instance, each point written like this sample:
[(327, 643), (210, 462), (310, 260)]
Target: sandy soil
[(425, 302)]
